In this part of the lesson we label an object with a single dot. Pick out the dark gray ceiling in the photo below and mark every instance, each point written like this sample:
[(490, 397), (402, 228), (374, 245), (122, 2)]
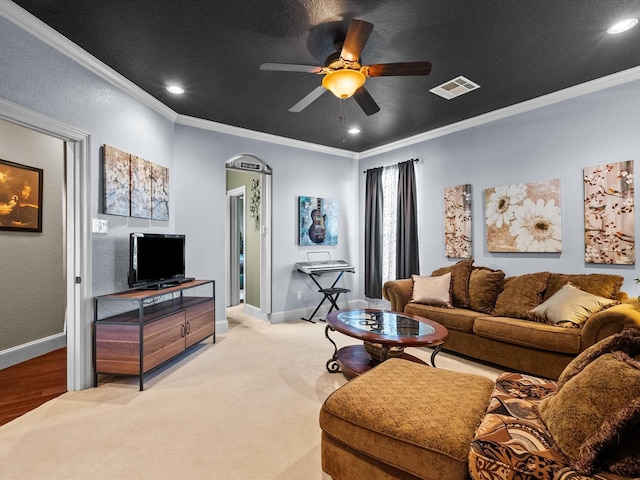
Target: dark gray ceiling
[(515, 50)]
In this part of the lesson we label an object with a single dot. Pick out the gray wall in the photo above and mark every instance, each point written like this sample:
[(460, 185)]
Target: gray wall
[(32, 279), (550, 142), (555, 141)]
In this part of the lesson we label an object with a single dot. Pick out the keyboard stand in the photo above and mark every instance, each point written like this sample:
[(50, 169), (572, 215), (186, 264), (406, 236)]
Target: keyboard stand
[(332, 293)]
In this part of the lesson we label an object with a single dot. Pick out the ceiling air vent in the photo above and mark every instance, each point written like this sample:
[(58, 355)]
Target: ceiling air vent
[(454, 88)]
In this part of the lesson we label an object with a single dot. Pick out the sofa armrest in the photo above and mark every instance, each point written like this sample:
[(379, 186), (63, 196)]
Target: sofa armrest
[(398, 292), (610, 321)]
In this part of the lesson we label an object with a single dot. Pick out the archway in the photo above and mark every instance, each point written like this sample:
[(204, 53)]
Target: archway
[(248, 176)]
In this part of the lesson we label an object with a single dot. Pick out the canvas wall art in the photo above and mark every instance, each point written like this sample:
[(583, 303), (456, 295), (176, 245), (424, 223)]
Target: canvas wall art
[(134, 186), (318, 221), (525, 217), (457, 224), (117, 181), (20, 197), (609, 226)]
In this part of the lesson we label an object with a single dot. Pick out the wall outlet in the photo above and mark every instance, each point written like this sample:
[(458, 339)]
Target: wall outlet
[(100, 225), (299, 295)]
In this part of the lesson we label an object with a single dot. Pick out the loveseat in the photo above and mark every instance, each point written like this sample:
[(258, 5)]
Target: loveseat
[(534, 323), (403, 420)]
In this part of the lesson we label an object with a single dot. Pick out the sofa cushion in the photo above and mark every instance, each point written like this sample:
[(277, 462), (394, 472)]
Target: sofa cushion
[(460, 274), (596, 412), (521, 294), (600, 284), (570, 307), (535, 335), (512, 442), (432, 290), (627, 341), (458, 319), (398, 406), (485, 285)]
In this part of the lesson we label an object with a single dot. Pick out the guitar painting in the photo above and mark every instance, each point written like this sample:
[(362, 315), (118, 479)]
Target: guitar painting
[(317, 228), (318, 221)]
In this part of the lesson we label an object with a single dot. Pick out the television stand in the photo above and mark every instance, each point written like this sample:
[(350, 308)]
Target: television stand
[(137, 341)]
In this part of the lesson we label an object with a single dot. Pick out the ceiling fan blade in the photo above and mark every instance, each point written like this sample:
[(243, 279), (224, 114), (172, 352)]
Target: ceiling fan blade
[(357, 36), (308, 99), (391, 69), (366, 101), (290, 67)]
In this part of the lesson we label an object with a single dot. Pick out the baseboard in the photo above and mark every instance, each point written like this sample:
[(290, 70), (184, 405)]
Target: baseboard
[(27, 351)]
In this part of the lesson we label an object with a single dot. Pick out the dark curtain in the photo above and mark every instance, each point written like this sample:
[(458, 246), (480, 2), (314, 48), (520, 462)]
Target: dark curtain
[(373, 234), (407, 261)]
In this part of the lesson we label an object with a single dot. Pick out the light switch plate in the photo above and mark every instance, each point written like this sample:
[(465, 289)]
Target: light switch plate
[(100, 225)]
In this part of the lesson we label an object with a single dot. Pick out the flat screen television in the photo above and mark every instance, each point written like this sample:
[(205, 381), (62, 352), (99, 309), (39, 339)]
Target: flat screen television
[(156, 259)]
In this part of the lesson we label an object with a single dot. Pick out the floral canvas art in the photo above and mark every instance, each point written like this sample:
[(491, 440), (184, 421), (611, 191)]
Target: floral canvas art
[(609, 226), (525, 217), (457, 223), (134, 186)]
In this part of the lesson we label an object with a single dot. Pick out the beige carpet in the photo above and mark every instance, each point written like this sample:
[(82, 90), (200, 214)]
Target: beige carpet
[(245, 408)]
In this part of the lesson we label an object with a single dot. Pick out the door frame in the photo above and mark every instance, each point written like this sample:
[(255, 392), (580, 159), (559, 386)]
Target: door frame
[(252, 164), (79, 312), (232, 266)]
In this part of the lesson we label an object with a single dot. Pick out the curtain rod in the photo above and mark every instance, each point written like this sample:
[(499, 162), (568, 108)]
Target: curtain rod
[(414, 160)]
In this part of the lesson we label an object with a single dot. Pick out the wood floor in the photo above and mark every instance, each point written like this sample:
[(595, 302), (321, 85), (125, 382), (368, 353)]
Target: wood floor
[(28, 385)]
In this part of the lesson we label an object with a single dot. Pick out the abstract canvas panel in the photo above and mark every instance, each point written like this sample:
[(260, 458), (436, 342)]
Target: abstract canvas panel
[(525, 217), (318, 221), (457, 223), (159, 192), (117, 186), (609, 226), (140, 187)]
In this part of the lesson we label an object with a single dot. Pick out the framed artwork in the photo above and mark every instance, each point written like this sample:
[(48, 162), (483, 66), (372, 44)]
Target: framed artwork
[(117, 181), (609, 225), (457, 221), (20, 197), (525, 217), (134, 187), (318, 221)]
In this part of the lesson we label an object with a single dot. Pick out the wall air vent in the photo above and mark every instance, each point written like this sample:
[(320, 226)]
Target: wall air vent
[(454, 88)]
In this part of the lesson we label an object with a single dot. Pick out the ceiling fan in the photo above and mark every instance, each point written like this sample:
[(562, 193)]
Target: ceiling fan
[(343, 73)]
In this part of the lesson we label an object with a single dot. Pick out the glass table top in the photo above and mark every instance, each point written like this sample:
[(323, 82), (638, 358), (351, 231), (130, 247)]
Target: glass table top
[(390, 324)]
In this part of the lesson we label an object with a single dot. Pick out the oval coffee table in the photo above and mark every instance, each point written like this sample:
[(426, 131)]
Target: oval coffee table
[(385, 334)]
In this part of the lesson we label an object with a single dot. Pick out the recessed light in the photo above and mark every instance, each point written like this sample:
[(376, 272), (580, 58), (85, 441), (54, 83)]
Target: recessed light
[(354, 131), (622, 26), (175, 89)]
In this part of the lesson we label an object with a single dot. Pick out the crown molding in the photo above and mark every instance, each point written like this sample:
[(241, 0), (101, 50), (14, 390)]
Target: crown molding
[(51, 37), (42, 31), (592, 86), (262, 137)]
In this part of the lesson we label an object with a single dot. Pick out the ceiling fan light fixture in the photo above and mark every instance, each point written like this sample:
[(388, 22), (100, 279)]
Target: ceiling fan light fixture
[(343, 83), (622, 26)]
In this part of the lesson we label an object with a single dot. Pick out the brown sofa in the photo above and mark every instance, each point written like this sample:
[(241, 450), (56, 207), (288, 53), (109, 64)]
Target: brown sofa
[(490, 318), (403, 420)]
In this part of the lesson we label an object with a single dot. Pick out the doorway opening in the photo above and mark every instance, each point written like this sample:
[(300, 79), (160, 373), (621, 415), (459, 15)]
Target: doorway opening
[(248, 235)]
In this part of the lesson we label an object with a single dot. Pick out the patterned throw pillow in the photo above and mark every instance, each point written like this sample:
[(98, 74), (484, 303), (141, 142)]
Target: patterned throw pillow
[(521, 294), (432, 290), (460, 274), (570, 307), (594, 418)]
